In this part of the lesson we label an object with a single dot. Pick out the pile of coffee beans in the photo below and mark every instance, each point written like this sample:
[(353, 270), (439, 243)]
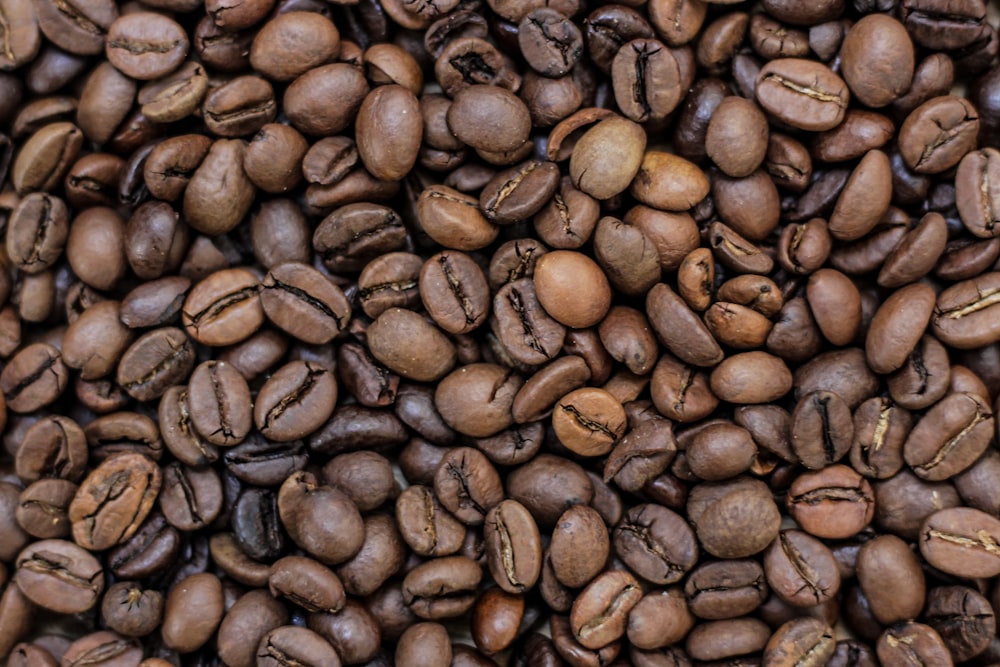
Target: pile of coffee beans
[(440, 333)]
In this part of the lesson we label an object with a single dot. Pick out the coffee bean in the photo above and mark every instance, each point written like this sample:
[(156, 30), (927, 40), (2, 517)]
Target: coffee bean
[(186, 632), (130, 610), (960, 541), (801, 570), (600, 613), (513, 546), (59, 576), (113, 500), (607, 157), (238, 108), (802, 641), (931, 146), (921, 642), (313, 514), (952, 435), (442, 587), (146, 45), (725, 589), (878, 39)]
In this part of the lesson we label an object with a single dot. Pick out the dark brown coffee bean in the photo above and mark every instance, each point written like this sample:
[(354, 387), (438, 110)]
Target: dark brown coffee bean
[(549, 41), (477, 107), (388, 132), (58, 448), (890, 576), (802, 93), (37, 230), (224, 308), (295, 401), (821, 429), (963, 618), (942, 27), (718, 508), (425, 525), (128, 432), (303, 302), (271, 53), (961, 317), (719, 640), (79, 27), (251, 617), (880, 428), (307, 583), (974, 191), (33, 378), (131, 610), (191, 498), (751, 377), (240, 107), (219, 403)]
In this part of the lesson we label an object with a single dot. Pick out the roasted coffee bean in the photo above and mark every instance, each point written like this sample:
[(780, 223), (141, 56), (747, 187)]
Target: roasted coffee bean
[(733, 519), (802, 93), (938, 133), (33, 378), (801, 570), (186, 632), (224, 308), (911, 641), (113, 500), (130, 610), (513, 546), (256, 526), (295, 401), (56, 447), (801, 641), (59, 576), (951, 436), (442, 587), (219, 403), (725, 589), (313, 514), (656, 543), (960, 541), (600, 614)]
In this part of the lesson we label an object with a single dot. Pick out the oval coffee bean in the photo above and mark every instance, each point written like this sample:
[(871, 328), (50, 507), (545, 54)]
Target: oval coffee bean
[(295, 401), (113, 500), (59, 576), (513, 546)]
